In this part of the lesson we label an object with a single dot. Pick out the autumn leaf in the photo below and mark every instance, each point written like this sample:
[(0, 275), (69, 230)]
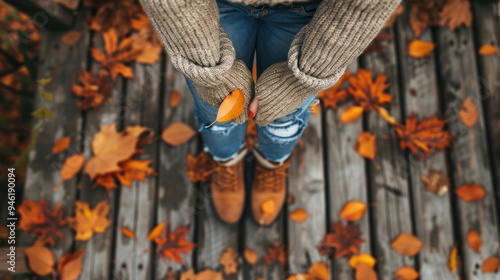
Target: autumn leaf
[(455, 13), (61, 145), (353, 211), (452, 262), (384, 114), (333, 96), (425, 137), (436, 182), (199, 168), (206, 274), (407, 244), (361, 258), (346, 240), (268, 207), (113, 15), (365, 272), (250, 256), (37, 218), (116, 55), (175, 98), (318, 271), (71, 166), (177, 134), (156, 232), (173, 244), (127, 232), (490, 265), (299, 215), (40, 260), (228, 260), (71, 37), (471, 192), (419, 49), (366, 145), (231, 107), (94, 91), (399, 11), (406, 273), (275, 254), (474, 240), (423, 14), (87, 222), (468, 113), (70, 265), (351, 114), (488, 49)]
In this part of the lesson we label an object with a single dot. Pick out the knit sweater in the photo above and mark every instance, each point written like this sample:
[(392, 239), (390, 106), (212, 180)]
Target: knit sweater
[(338, 33)]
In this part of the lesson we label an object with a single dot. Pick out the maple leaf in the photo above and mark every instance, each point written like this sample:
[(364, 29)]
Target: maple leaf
[(94, 91), (199, 168), (423, 138), (275, 254), (424, 13), (333, 96), (455, 13), (173, 244), (345, 239), (228, 261), (146, 39), (36, 218), (114, 15), (116, 55), (87, 221), (436, 182)]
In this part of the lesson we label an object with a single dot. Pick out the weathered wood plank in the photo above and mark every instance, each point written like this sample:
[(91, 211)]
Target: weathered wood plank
[(389, 190), (346, 176), (176, 203), (432, 212), (307, 185), (469, 153), (45, 13), (136, 204), (21, 261), (60, 62)]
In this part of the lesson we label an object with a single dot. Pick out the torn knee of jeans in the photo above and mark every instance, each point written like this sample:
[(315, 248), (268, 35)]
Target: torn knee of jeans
[(218, 128), (286, 129)]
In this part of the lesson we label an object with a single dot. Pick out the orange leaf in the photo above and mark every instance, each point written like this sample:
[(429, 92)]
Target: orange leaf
[(70, 265), (268, 207), (474, 240), (275, 254), (387, 117), (71, 37), (157, 231), (254, 73), (228, 260), (177, 134), (319, 271), (366, 145), (37, 218), (175, 98), (61, 145), (351, 114), (299, 215), (231, 107), (455, 13), (71, 166), (353, 211), (365, 272), (250, 256), (199, 168), (206, 274), (452, 263), (172, 244), (490, 264), (95, 90), (345, 239), (419, 49), (40, 260), (488, 49), (406, 273), (468, 113), (87, 222), (470, 193), (367, 93), (333, 96), (361, 258), (127, 232), (407, 244)]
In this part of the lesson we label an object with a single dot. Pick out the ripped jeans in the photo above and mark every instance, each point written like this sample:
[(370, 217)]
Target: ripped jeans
[(268, 32)]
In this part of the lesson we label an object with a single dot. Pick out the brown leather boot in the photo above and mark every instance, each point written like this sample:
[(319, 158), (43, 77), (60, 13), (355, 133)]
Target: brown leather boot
[(228, 190), (268, 190)]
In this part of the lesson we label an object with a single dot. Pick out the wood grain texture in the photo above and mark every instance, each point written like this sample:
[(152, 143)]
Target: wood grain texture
[(45, 13), (346, 176), (432, 213), (388, 176), (469, 161)]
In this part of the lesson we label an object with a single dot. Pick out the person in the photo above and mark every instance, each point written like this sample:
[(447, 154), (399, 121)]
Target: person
[(301, 49)]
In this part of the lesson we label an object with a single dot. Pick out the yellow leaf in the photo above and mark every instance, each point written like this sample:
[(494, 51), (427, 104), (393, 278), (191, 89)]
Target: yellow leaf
[(46, 95), (361, 258), (42, 113), (44, 81)]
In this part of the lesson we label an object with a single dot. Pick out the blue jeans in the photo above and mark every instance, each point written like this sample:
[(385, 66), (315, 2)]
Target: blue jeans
[(269, 32)]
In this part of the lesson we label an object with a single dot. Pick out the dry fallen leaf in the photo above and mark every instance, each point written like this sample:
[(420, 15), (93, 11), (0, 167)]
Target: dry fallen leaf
[(37, 218), (353, 211), (468, 113), (206, 274), (436, 182), (474, 240), (127, 232), (268, 207), (318, 271), (419, 49), (299, 215), (366, 145), (351, 114), (70, 265), (407, 244), (361, 258), (488, 49), (175, 98), (346, 240), (72, 165), (406, 273), (177, 134), (71, 37), (40, 260), (365, 272), (61, 145), (455, 13), (231, 107), (490, 265), (94, 89), (157, 231), (333, 96), (452, 263), (172, 244), (275, 254), (250, 256), (471, 192), (87, 221), (199, 168), (228, 260)]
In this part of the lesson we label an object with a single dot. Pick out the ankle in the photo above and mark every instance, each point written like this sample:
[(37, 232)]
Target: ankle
[(235, 160)]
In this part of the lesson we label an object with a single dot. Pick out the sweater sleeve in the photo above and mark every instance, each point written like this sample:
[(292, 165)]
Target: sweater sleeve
[(338, 33)]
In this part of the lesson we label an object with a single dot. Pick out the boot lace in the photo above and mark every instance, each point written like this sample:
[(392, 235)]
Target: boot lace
[(226, 178), (271, 179)]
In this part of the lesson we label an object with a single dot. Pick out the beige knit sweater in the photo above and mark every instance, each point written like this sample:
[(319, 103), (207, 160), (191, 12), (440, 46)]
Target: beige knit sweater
[(338, 33)]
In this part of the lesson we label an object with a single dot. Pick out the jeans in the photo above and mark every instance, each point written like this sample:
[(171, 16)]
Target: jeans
[(268, 32)]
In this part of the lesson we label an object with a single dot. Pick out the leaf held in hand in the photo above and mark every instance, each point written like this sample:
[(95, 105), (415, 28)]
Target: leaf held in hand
[(299, 215), (470, 193), (231, 107), (353, 211), (419, 49), (407, 244), (40, 260)]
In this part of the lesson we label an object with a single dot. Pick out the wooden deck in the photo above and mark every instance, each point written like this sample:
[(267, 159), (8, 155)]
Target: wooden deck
[(330, 173)]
